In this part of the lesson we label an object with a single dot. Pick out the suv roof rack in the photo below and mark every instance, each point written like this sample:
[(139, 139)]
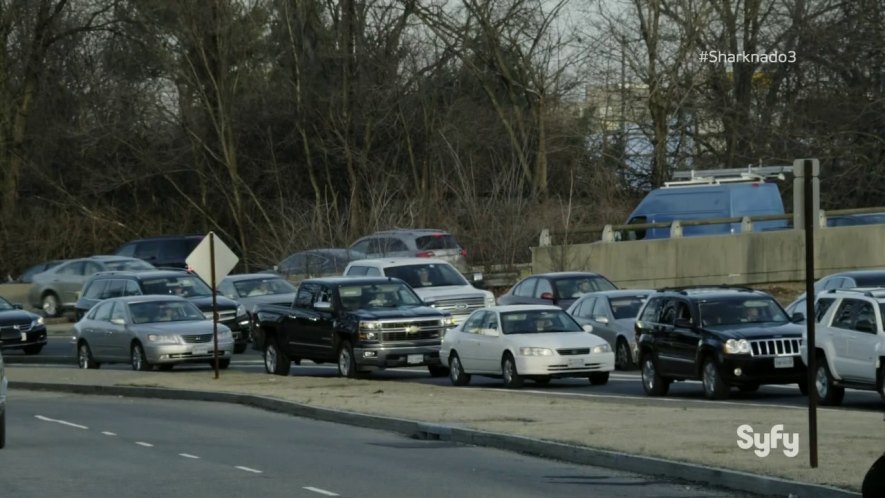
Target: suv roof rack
[(729, 175), (877, 292), (709, 287)]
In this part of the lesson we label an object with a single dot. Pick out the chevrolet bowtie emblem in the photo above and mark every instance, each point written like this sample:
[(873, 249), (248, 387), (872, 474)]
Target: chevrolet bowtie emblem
[(412, 329)]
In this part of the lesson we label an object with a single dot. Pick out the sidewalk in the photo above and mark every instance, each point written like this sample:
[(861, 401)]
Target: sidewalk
[(688, 431)]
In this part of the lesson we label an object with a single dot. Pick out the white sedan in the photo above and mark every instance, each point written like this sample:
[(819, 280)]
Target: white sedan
[(518, 342)]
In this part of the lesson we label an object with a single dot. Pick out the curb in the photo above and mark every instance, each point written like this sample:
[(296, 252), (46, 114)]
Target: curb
[(701, 474)]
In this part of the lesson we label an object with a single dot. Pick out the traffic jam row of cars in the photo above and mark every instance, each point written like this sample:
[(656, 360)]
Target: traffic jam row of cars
[(547, 326)]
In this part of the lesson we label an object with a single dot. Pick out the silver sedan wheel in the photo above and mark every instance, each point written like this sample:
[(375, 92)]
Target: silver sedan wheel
[(821, 382), (83, 356)]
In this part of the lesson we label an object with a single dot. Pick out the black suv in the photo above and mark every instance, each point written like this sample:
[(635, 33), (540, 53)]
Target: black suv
[(105, 285), (724, 336), (166, 251)]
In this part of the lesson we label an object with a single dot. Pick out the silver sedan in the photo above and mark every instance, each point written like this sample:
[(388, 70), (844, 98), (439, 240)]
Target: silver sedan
[(149, 330)]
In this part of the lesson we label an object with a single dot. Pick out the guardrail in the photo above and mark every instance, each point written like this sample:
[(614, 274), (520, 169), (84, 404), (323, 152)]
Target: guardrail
[(613, 233)]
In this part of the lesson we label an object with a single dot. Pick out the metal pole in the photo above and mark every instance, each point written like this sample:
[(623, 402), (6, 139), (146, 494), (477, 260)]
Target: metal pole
[(214, 303), (809, 309)]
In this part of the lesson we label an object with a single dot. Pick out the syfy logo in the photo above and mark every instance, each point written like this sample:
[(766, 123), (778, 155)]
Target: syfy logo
[(763, 442)]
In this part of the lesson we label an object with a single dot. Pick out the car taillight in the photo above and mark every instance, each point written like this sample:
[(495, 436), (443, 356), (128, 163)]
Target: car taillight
[(425, 254), (464, 252)]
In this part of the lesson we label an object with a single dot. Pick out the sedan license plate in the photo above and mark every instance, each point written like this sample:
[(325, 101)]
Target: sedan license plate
[(783, 362), (414, 359), (575, 362), (200, 351)]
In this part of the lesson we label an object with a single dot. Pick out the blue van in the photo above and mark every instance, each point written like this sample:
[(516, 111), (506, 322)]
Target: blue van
[(707, 201)]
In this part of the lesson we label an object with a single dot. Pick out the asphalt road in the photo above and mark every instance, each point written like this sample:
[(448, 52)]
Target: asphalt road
[(60, 352), (70, 445)]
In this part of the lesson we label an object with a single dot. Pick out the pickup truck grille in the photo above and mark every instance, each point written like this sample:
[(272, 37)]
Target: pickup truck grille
[(223, 315), (460, 306), (775, 347), (411, 331)]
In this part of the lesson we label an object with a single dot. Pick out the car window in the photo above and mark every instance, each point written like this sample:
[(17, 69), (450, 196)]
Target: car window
[(361, 246), (842, 319), (538, 322), (834, 283), (474, 323), (373, 272), (127, 250), (436, 241), (525, 288), (103, 311), (117, 288), (820, 308), (585, 307), (675, 309), (118, 312), (426, 275), (491, 321), (389, 294), (575, 286), (357, 270), (626, 306), (652, 310), (542, 288), (865, 319), (149, 249), (600, 309), (305, 294), (394, 245), (736, 310), (95, 289), (128, 264), (179, 249), (73, 268), (91, 267), (226, 289), (260, 287)]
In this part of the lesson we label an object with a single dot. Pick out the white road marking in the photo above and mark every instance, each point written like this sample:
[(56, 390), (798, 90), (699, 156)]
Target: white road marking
[(106, 433), (62, 422), (186, 455), (321, 491), (146, 445), (247, 469)]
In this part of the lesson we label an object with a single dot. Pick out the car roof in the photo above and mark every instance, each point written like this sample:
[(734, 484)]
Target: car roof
[(142, 274), (386, 262), (712, 291), (168, 237), (871, 272), (566, 274), (504, 308), (342, 280), (236, 277), (421, 231), (618, 292), (147, 298)]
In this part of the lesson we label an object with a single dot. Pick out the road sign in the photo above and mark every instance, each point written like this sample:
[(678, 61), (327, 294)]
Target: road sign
[(200, 259)]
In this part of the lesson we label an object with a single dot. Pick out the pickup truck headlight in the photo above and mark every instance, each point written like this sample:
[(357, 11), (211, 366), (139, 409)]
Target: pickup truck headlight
[(241, 311), (535, 352), (448, 322), (370, 325), (490, 300), (368, 336), (602, 348), (733, 346), (164, 339)]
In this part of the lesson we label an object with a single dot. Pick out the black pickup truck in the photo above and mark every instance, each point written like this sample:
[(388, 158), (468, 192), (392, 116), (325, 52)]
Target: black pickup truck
[(363, 324)]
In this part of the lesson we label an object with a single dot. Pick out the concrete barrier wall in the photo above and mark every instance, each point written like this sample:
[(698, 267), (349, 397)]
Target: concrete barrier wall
[(754, 258)]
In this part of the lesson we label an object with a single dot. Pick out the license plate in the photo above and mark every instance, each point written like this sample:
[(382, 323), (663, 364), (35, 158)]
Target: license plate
[(200, 351), (24, 336), (413, 359), (575, 362), (783, 362)]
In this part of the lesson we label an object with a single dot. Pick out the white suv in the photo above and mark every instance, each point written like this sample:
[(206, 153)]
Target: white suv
[(435, 281), (849, 342)]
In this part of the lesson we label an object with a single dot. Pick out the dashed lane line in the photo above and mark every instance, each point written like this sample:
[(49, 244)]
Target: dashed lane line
[(62, 422), (320, 491), (188, 455), (146, 445), (247, 469)]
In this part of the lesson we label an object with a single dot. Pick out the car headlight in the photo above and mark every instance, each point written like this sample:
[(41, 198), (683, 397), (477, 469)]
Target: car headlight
[(36, 322), (490, 300), (535, 352), (448, 322), (370, 325), (368, 336), (241, 310), (734, 346), (225, 335), (164, 339), (602, 348)]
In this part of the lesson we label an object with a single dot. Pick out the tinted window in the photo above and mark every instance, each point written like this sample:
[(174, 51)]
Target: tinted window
[(757, 309), (575, 286), (538, 322), (304, 297), (870, 280), (149, 249), (357, 270), (127, 250), (383, 295), (429, 275), (436, 241), (865, 320), (179, 249), (820, 308), (651, 311), (842, 319), (626, 306), (184, 285)]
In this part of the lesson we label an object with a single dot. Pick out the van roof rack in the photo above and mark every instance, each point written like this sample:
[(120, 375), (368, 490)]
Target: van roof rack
[(729, 175), (876, 292)]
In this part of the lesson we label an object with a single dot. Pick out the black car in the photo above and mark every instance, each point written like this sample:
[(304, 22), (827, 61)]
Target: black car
[(557, 288), (724, 336), (105, 285), (20, 329), (165, 251)]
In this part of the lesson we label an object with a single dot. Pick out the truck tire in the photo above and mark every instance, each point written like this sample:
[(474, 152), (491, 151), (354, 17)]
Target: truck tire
[(275, 360), (714, 386), (346, 361), (652, 382), (828, 393)]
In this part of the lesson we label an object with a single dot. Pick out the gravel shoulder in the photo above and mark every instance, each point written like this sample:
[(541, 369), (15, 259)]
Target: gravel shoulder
[(697, 432)]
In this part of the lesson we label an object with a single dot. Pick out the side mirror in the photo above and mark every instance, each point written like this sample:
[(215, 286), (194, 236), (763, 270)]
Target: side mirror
[(587, 328), (118, 321), (798, 317), (322, 306), (683, 323), (601, 319), (547, 295), (17, 306)]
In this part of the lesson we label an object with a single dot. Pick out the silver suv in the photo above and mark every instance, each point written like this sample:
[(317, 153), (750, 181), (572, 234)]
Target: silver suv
[(435, 281), (849, 342), (411, 243)]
